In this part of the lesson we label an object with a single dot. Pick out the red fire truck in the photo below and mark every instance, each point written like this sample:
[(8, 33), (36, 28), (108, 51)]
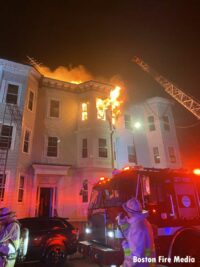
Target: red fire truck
[(172, 200)]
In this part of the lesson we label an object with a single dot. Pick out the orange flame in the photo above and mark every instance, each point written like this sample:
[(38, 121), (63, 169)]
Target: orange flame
[(75, 75), (111, 103)]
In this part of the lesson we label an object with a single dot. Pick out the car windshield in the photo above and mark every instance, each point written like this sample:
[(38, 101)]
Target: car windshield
[(115, 194)]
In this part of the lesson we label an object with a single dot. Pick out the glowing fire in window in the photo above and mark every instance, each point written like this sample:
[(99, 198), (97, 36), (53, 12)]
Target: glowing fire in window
[(112, 103), (84, 111)]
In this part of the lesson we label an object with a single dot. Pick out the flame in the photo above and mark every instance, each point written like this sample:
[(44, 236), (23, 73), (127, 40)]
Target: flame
[(112, 103), (74, 75)]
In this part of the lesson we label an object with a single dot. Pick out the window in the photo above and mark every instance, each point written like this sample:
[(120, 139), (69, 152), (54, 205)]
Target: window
[(84, 148), (151, 123), (103, 151), (166, 123), (132, 154), (127, 121), (84, 191), (21, 189), (84, 111), (2, 186), (172, 156), (12, 94), (101, 112), (6, 136), (26, 141), (156, 155), (54, 108), (30, 100), (52, 149)]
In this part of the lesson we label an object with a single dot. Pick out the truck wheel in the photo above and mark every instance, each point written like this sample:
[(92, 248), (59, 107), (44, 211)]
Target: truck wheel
[(187, 246), (55, 256)]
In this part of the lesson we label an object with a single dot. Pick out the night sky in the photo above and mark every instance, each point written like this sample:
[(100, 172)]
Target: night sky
[(104, 35)]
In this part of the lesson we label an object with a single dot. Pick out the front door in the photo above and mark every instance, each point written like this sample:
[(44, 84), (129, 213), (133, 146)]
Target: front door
[(45, 201)]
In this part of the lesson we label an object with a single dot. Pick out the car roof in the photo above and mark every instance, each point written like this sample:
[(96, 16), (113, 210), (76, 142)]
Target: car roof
[(43, 219)]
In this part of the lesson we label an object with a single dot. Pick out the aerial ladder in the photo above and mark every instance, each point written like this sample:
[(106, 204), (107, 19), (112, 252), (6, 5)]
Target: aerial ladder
[(184, 99)]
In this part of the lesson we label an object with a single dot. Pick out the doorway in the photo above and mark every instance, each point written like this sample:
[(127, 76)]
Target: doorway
[(45, 201)]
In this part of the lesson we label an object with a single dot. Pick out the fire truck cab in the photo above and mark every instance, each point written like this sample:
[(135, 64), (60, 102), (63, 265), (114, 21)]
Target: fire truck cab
[(172, 200)]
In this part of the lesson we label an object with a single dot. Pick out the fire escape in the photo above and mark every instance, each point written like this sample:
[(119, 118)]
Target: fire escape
[(10, 115)]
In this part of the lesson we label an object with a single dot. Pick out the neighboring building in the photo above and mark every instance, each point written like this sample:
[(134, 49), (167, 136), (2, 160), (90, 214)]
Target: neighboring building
[(59, 144)]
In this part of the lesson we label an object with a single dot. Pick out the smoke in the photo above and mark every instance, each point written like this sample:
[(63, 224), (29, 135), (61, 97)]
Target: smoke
[(77, 74)]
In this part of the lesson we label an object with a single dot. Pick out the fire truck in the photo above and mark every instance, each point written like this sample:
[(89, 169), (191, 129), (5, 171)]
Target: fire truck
[(171, 198)]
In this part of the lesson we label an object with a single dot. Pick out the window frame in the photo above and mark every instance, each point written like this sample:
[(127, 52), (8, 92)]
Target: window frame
[(29, 142), (84, 111), (10, 147), (33, 102), (6, 83), (172, 158), (151, 124), (156, 156), (133, 155), (48, 147), (166, 123), (3, 187), (21, 189), (49, 108), (127, 123), (102, 150), (84, 153)]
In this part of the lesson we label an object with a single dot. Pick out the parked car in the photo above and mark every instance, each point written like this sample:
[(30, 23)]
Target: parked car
[(51, 240)]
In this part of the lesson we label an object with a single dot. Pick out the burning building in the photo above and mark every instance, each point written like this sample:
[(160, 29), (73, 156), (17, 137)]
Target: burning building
[(58, 137)]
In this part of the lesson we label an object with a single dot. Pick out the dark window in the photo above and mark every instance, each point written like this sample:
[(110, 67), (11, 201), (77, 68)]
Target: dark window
[(172, 156), (12, 94), (85, 191), (2, 186), (56, 224), (26, 141), (156, 155), (131, 154), (21, 189), (6, 136), (151, 123), (52, 149), (84, 148), (103, 151), (54, 108), (127, 121), (30, 101), (166, 123)]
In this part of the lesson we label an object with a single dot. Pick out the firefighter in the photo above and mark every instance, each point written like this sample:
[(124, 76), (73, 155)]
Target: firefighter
[(9, 237), (138, 244)]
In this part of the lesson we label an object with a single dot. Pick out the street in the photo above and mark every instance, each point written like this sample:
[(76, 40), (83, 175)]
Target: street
[(74, 261)]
